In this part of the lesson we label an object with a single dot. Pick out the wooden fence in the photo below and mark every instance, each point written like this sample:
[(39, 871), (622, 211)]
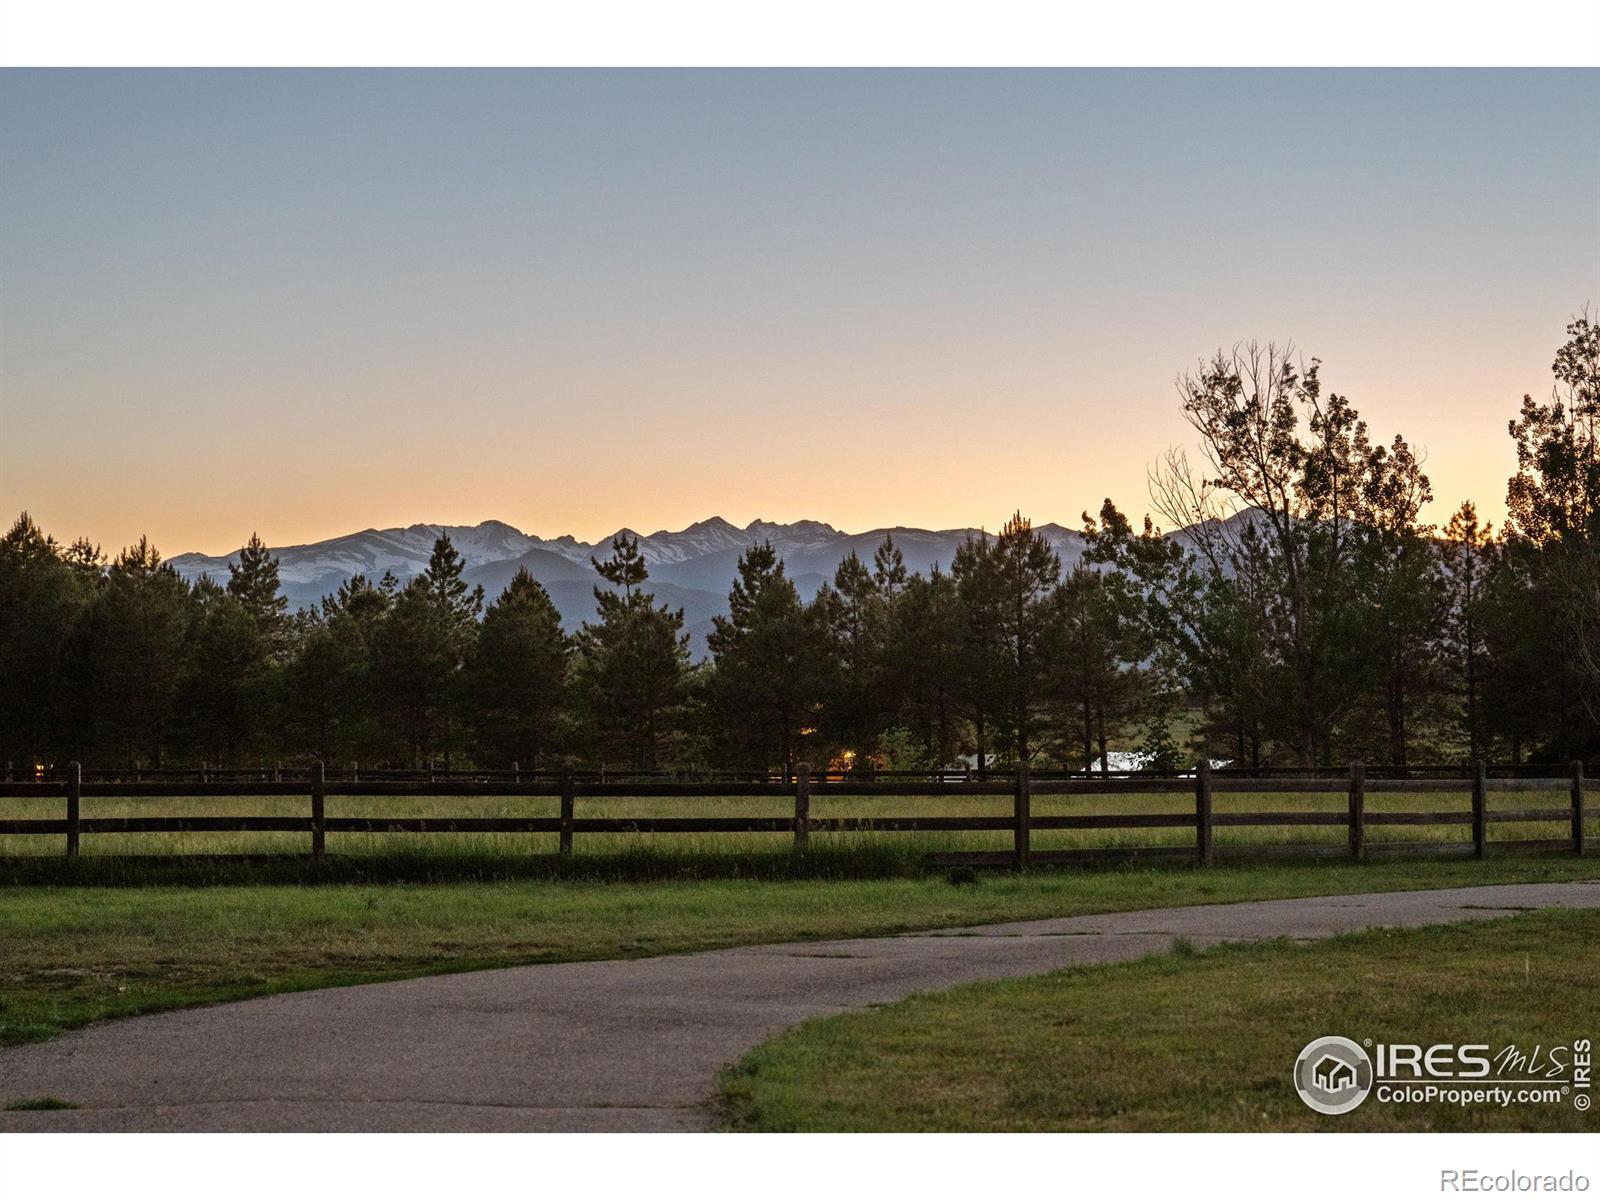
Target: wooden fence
[(1199, 816)]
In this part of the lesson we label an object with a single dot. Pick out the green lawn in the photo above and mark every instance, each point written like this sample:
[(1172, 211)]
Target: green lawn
[(1185, 1041), (107, 937)]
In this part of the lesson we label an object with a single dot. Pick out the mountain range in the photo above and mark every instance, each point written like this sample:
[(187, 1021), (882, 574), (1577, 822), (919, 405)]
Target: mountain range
[(690, 568)]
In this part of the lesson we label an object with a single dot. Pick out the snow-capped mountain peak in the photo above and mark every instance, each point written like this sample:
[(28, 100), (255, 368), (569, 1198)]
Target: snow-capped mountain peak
[(692, 568)]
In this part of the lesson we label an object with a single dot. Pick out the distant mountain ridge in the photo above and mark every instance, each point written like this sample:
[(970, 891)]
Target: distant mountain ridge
[(692, 568)]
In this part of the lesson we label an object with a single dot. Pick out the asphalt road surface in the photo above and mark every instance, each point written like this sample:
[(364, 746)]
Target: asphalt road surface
[(627, 1045)]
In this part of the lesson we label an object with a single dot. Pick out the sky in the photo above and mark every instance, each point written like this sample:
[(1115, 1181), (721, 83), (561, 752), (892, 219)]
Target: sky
[(307, 303)]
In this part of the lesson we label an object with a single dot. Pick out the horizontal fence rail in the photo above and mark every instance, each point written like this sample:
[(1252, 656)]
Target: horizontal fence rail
[(803, 787)]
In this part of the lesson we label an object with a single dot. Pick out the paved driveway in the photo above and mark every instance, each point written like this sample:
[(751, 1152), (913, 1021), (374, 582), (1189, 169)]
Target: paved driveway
[(628, 1045)]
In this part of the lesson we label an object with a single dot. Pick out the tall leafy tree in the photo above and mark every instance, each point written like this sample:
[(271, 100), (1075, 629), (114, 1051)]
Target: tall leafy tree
[(1553, 527), (1554, 498), (1204, 619), (1280, 520)]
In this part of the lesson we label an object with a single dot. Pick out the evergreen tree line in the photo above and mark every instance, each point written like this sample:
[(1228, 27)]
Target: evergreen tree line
[(1306, 615)]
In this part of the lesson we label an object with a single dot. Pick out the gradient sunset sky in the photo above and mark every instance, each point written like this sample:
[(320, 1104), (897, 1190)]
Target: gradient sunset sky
[(306, 303)]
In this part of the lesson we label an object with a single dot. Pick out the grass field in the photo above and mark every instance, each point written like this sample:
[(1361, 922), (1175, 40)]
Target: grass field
[(106, 937), (913, 846), (1186, 1041)]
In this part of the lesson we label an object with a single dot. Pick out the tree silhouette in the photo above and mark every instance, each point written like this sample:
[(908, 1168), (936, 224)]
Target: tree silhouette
[(253, 582), (631, 668), (1297, 609), (516, 675)]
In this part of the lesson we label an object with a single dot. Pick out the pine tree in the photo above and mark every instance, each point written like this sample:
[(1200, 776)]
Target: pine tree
[(767, 680), (759, 570), (982, 664), (224, 691), (253, 582), (1158, 744), (516, 675), (1403, 603), (416, 655), (458, 605), (1089, 686), (87, 561), (1027, 572), (631, 667), (358, 598), (137, 629), (331, 711), (1466, 560), (888, 571), (852, 615), (41, 599), (626, 566), (921, 666), (331, 707)]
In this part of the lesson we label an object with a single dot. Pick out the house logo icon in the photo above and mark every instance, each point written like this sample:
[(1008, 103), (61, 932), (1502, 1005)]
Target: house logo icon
[(1333, 1075)]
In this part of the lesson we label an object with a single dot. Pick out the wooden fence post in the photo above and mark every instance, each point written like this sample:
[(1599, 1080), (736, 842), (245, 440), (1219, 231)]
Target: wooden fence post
[(74, 804), (802, 806), (1480, 823), (1577, 806), (1203, 852), (569, 799), (1358, 811), (319, 814), (1022, 798)]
